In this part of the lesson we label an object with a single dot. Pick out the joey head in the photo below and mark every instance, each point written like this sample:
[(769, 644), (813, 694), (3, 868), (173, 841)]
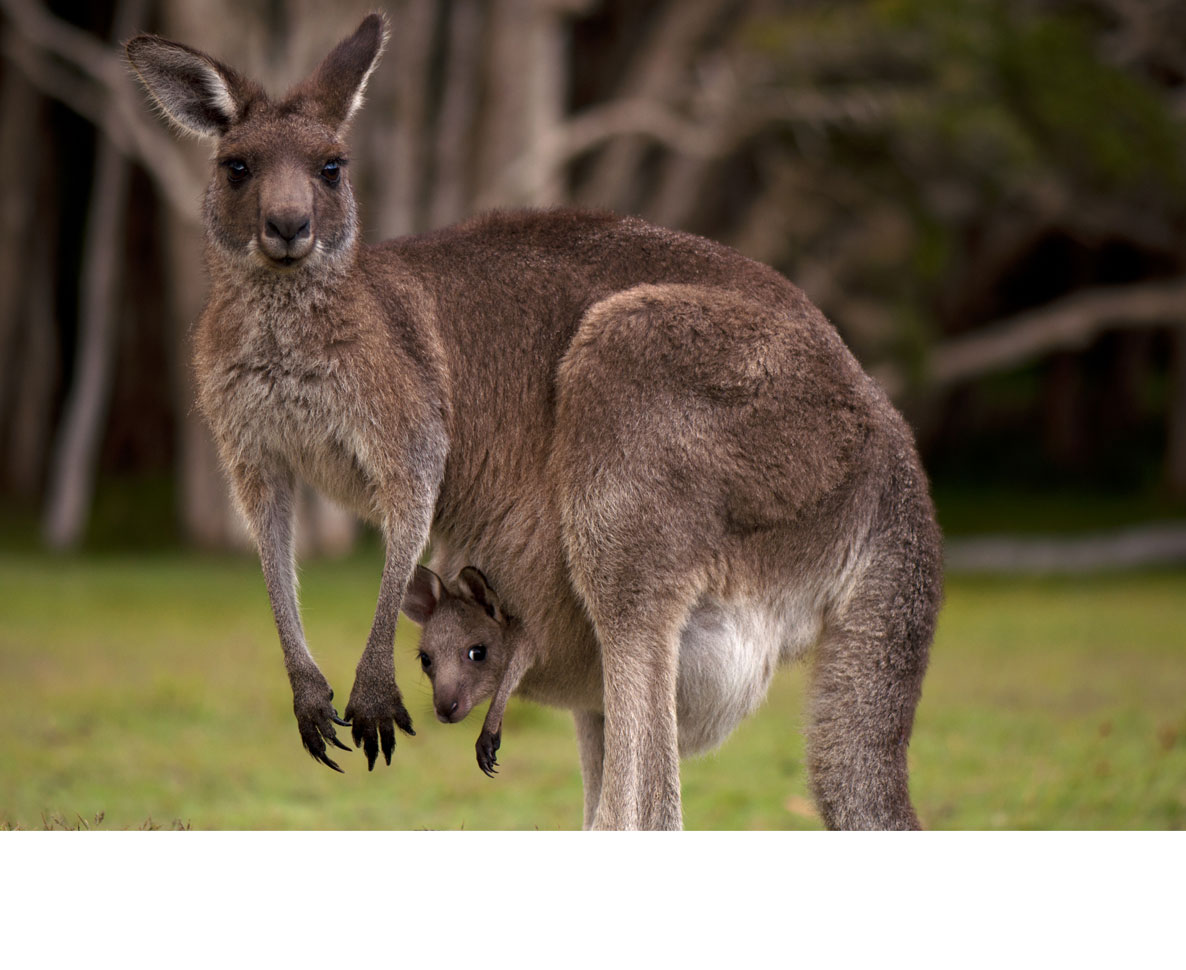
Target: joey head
[(468, 649)]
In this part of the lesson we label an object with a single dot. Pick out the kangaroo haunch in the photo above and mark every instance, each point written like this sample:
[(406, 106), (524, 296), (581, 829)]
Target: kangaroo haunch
[(660, 453)]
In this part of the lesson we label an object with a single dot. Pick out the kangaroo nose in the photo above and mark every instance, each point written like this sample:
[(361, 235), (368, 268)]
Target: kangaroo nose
[(288, 226), (445, 710)]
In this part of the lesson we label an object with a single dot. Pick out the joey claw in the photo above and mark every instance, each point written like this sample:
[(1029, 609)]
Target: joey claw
[(334, 740), (487, 746)]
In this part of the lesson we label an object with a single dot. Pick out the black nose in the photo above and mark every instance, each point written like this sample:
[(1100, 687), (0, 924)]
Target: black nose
[(446, 709), (288, 227)]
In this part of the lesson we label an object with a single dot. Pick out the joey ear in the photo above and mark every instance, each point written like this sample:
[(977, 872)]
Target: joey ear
[(333, 93), (472, 584), (194, 90), (423, 594)]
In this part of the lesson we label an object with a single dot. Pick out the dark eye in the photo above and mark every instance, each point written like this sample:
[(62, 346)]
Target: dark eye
[(477, 652), (425, 660), (236, 170), (332, 171)]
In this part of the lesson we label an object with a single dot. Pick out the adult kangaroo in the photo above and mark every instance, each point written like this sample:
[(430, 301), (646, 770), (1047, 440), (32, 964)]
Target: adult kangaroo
[(634, 433)]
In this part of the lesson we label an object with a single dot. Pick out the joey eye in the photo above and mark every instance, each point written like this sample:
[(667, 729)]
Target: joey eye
[(477, 652), (425, 660), (236, 170), (332, 171)]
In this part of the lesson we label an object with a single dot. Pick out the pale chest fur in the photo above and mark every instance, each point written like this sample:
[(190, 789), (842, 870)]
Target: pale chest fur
[(280, 392)]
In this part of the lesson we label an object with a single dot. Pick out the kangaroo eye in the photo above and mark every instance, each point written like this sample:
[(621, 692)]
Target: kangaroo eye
[(236, 170), (425, 660), (477, 652), (332, 171)]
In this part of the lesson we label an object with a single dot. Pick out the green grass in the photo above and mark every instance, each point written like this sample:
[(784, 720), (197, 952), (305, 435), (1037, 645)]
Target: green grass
[(149, 692)]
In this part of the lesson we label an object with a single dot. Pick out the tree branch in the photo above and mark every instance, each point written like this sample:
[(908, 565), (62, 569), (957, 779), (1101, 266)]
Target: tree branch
[(1152, 545), (1066, 324), (104, 95)]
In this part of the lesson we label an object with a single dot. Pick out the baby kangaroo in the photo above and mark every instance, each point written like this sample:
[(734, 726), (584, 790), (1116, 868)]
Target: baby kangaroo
[(470, 650)]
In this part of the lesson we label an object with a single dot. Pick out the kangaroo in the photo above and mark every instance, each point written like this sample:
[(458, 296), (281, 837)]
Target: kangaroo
[(470, 649), (646, 441)]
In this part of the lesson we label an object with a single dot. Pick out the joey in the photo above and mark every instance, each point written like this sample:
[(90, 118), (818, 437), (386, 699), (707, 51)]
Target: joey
[(470, 650)]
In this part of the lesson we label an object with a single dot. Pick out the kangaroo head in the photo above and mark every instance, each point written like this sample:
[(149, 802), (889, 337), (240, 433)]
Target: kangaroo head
[(463, 645), (279, 197)]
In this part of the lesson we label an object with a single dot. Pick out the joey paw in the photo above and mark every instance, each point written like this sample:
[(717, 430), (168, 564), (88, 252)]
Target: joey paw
[(487, 745)]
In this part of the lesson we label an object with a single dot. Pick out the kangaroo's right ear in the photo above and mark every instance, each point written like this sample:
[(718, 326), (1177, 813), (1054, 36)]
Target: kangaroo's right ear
[(334, 92), (423, 594), (196, 92)]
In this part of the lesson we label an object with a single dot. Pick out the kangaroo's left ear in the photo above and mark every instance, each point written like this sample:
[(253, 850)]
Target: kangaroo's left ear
[(196, 92), (334, 92), (473, 586)]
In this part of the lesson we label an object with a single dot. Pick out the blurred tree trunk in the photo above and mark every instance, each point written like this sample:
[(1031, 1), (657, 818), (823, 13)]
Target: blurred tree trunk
[(76, 449), (1062, 410), (452, 185), (1176, 423), (26, 325), (657, 72), (525, 92), (35, 380)]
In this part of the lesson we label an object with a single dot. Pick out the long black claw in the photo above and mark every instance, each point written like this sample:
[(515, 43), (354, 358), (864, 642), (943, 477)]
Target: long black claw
[(327, 761), (387, 737), (371, 747), (337, 720), (334, 740)]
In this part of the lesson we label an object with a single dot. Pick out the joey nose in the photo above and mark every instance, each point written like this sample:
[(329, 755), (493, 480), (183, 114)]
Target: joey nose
[(447, 710)]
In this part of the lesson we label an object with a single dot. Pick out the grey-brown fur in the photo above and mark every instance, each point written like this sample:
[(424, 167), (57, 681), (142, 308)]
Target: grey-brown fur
[(470, 649), (630, 431)]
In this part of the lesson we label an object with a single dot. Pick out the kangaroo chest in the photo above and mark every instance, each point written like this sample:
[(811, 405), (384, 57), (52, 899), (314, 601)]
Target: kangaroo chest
[(272, 400)]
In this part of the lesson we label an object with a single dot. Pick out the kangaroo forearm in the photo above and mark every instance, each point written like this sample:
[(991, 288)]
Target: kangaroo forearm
[(266, 498), (405, 540)]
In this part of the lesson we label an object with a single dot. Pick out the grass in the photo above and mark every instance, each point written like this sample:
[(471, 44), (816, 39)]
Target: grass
[(148, 692)]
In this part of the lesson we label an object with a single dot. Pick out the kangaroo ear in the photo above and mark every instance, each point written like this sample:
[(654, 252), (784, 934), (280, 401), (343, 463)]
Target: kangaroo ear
[(473, 586), (334, 91), (196, 92), (423, 594)]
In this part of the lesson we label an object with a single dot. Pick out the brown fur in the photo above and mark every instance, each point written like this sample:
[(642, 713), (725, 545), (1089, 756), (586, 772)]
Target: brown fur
[(660, 453), (456, 625)]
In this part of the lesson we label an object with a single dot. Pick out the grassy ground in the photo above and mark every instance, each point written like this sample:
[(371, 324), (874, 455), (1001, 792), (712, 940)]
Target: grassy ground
[(143, 692)]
